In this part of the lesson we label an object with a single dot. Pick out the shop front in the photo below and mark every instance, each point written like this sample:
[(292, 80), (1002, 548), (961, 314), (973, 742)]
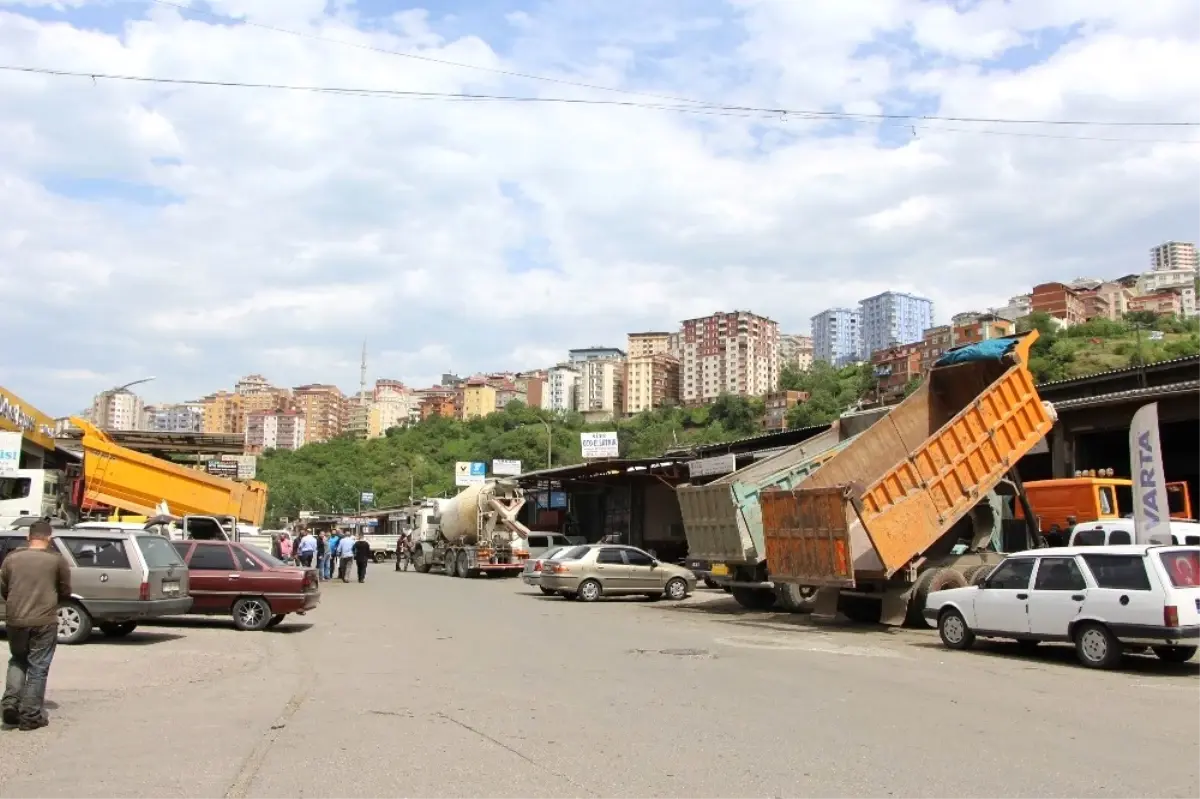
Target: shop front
[(26, 435)]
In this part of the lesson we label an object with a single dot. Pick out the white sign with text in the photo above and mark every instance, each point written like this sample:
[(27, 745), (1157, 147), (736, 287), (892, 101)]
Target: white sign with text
[(505, 467), (599, 445)]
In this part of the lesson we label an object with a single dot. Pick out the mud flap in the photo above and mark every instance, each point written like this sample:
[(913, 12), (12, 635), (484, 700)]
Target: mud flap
[(825, 607), (895, 607)]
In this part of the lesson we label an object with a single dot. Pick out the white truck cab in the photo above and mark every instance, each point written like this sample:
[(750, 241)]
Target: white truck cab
[(28, 492)]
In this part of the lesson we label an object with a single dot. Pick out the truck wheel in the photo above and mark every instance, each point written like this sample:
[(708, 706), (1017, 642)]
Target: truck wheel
[(464, 563), (589, 591), (1096, 646), (795, 598), (379, 556), (450, 565), (74, 623), (754, 598), (1175, 654), (930, 581), (977, 574), (251, 613), (953, 629), (418, 561), (711, 583)]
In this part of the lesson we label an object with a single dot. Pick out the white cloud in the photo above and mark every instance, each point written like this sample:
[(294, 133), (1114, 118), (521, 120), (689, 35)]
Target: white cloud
[(472, 236)]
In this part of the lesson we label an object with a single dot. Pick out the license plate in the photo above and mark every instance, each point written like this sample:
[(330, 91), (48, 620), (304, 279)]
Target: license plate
[(720, 569), (171, 589)]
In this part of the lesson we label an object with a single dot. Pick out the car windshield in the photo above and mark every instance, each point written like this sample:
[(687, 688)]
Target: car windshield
[(575, 553), (264, 556), (158, 552)]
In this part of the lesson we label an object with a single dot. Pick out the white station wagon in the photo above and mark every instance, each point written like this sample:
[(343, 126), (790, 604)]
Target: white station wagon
[(1102, 599)]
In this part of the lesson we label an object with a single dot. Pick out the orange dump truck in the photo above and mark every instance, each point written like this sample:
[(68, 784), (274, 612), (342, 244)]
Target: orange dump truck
[(913, 504), (121, 478)]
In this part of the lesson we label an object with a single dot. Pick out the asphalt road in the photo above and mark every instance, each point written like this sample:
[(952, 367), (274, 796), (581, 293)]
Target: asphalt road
[(423, 685)]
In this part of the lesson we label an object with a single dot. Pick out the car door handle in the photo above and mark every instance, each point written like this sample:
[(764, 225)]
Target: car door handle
[(234, 576), (1077, 597), (1022, 596)]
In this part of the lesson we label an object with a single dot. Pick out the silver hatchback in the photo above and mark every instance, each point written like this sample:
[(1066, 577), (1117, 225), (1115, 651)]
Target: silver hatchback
[(118, 578)]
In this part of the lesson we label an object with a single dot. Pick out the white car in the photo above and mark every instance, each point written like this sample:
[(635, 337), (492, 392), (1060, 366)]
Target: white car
[(1102, 599), (1120, 531)]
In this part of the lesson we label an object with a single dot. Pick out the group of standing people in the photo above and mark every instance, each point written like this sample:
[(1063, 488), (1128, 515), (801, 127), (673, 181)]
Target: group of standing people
[(330, 554)]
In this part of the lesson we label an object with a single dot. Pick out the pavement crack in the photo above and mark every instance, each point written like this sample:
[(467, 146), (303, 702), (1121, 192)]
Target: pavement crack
[(516, 752)]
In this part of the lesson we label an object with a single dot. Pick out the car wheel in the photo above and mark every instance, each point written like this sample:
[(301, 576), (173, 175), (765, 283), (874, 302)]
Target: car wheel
[(74, 623), (676, 589), (953, 629), (1096, 646), (251, 613), (711, 583), (117, 629), (379, 556), (547, 591), (276, 620), (589, 591), (1175, 654)]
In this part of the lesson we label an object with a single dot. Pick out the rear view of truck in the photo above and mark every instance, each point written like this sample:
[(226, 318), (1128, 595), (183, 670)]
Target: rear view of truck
[(723, 523), (881, 518)]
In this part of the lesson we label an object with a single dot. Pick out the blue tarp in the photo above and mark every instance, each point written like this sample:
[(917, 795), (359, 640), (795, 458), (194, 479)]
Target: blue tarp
[(991, 350)]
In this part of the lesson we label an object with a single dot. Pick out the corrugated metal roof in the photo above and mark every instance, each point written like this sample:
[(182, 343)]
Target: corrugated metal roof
[(1186, 387), (1124, 370), (597, 468)]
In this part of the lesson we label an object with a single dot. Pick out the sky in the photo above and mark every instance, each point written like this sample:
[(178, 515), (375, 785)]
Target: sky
[(199, 233)]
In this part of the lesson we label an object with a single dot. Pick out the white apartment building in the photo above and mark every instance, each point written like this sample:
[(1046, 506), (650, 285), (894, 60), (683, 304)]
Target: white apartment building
[(795, 351), (601, 386), (1181, 280), (274, 430), (1018, 306), (728, 353), (117, 410), (562, 384), (1172, 255), (174, 418)]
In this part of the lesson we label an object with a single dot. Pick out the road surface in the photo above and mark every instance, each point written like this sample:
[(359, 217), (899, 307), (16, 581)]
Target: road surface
[(423, 685)]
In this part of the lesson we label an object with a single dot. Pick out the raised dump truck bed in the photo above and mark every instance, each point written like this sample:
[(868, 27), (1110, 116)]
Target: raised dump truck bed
[(137, 483), (868, 518)]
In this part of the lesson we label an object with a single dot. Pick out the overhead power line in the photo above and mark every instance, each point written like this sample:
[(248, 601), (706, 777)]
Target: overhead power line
[(735, 111)]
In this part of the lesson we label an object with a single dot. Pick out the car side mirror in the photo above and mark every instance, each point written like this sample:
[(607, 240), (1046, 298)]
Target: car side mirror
[(654, 564)]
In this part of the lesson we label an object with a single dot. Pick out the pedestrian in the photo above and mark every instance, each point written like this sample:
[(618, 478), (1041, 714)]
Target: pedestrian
[(322, 556), (33, 581), (306, 549), (362, 556), (403, 550), (345, 556), (276, 549), (333, 555), (285, 548)]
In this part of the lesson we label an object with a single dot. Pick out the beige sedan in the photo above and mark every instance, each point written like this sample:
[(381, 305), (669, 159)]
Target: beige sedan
[(590, 572)]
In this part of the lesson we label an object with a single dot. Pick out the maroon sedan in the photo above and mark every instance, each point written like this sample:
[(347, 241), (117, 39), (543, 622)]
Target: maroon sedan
[(257, 589)]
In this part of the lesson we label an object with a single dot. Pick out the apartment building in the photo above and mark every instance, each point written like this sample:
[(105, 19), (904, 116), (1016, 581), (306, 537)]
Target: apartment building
[(182, 417), (584, 354), (533, 386), (778, 403), (258, 394), (934, 342), (728, 353), (1059, 301), (651, 381), (1163, 301), (562, 386), (392, 405), (357, 419), (436, 401), (892, 318), (118, 409), (600, 388), (652, 343), (274, 430), (224, 413), (479, 399), (836, 336), (975, 327), (1173, 255), (795, 351), (324, 408), (895, 367), (1181, 280), (1017, 307)]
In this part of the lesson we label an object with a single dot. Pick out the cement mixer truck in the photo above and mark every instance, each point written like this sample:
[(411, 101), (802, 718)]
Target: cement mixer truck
[(473, 533)]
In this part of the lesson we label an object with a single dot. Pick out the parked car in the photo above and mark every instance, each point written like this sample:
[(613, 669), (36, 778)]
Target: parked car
[(1105, 600), (595, 570), (1120, 531), (703, 571), (229, 578), (538, 544), (532, 573), (118, 578)]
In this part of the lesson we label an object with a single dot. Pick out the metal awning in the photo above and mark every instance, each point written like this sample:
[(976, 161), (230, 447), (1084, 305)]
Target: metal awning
[(599, 468)]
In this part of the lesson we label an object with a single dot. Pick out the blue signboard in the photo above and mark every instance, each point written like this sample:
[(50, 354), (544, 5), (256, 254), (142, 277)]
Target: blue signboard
[(558, 499)]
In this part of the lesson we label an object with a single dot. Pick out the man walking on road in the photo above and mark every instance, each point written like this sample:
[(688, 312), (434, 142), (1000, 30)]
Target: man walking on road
[(345, 556), (322, 560), (307, 549), (332, 568), (362, 556), (32, 583)]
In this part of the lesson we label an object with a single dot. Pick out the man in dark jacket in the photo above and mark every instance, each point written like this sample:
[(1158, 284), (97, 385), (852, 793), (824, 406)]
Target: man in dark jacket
[(33, 581), (362, 556)]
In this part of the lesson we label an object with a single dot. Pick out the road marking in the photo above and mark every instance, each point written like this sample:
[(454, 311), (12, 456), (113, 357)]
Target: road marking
[(822, 647)]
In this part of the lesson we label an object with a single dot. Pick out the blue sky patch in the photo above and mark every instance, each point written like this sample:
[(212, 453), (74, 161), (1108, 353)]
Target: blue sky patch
[(110, 190)]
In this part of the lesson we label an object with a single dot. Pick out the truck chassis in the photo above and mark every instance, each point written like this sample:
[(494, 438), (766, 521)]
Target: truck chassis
[(466, 561)]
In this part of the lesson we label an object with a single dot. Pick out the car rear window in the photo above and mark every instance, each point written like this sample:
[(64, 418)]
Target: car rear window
[(158, 552), (1126, 572), (98, 553), (1183, 568), (265, 557), (574, 554), (1088, 538)]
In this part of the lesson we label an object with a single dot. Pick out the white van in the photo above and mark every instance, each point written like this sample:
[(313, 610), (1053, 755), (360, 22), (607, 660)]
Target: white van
[(1115, 532)]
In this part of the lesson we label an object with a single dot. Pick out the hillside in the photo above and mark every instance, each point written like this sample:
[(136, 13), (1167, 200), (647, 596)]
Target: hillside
[(1101, 345)]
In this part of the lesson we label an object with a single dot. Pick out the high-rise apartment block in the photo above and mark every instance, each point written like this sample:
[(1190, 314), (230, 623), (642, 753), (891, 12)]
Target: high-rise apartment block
[(258, 394), (795, 352), (836, 336), (1180, 281), (654, 343), (651, 372), (183, 417), (479, 399), (1174, 255), (562, 384), (118, 409), (892, 318), (728, 353), (325, 411), (224, 413), (600, 388), (594, 354), (274, 430)]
